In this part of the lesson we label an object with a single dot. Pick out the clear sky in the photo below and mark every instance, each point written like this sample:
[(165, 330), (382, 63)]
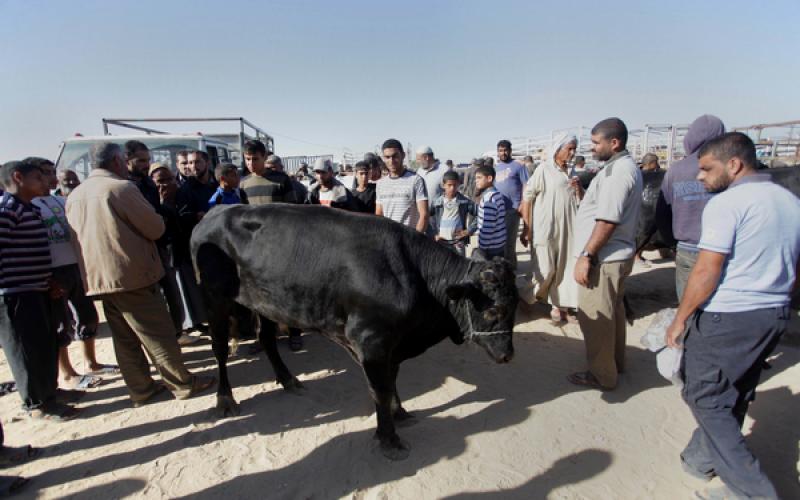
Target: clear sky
[(457, 75)]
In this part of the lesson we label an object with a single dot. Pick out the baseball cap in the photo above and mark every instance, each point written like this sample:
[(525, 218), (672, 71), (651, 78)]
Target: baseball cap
[(323, 165)]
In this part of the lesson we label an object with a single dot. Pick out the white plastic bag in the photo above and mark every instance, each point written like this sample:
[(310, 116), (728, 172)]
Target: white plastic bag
[(653, 338), (668, 359)]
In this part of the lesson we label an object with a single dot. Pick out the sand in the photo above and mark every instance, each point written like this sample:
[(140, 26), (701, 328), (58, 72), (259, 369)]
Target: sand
[(482, 431)]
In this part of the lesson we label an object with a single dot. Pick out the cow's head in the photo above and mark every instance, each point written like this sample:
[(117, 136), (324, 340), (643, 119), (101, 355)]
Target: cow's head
[(485, 304)]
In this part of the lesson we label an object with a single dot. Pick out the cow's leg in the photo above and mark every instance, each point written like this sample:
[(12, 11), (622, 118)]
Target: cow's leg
[(267, 337), (219, 283), (219, 323), (402, 418), (380, 374)]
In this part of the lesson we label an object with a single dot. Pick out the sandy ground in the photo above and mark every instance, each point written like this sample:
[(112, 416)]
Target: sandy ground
[(483, 430)]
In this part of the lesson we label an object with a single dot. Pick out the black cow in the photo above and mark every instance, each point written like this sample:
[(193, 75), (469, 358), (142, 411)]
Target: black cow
[(383, 291)]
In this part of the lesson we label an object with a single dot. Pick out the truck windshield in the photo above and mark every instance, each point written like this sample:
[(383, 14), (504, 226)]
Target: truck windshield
[(75, 155)]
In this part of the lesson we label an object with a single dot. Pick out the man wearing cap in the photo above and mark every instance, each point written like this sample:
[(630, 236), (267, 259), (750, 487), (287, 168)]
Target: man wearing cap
[(401, 196), (431, 172), (649, 163), (364, 191), (510, 181), (328, 191)]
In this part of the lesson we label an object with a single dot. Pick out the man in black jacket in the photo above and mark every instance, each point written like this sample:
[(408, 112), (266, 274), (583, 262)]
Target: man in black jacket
[(192, 204), (328, 191)]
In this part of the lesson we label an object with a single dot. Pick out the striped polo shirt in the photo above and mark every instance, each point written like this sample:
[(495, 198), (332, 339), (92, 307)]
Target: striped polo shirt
[(24, 247), (398, 196), (492, 220)]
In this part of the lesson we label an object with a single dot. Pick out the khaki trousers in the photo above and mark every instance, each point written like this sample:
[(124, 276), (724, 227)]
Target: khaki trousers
[(601, 315), (139, 319)]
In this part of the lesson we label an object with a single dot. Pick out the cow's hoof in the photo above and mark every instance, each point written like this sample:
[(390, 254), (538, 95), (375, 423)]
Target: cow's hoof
[(227, 407), (293, 385), (402, 418), (394, 448)]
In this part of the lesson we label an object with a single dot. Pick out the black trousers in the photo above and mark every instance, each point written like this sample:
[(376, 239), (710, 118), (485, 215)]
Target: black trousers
[(30, 345), (723, 358)]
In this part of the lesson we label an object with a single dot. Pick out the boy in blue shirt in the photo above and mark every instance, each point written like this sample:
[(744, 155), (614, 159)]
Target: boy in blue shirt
[(228, 192), (449, 215), (491, 214)]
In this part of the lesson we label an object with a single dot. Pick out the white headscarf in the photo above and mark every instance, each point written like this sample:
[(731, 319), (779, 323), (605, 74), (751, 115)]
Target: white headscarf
[(560, 141)]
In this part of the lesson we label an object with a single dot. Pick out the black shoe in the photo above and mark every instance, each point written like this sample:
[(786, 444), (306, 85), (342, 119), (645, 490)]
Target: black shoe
[(296, 343)]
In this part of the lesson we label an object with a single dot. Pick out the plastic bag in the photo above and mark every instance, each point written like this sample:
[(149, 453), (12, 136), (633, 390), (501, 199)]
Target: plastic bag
[(668, 359), (653, 338)]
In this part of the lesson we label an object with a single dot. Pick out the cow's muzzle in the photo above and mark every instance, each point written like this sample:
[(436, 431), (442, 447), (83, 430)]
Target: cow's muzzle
[(497, 344)]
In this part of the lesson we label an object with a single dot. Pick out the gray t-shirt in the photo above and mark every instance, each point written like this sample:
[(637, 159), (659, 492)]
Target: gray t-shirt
[(615, 195), (399, 196)]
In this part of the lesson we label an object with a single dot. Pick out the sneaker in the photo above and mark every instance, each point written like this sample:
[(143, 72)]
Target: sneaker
[(186, 339)]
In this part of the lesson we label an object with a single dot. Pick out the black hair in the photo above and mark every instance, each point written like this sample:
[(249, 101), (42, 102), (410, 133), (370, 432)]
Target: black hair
[(612, 128), (253, 147), (362, 165), (504, 143), (224, 169), (24, 167), (731, 145), (486, 171), (203, 154), (132, 147), (392, 143), (580, 158), (40, 162), (184, 152), (450, 176)]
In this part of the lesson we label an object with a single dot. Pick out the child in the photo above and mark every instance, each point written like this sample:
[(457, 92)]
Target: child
[(449, 215), (491, 214), (26, 334), (228, 192)]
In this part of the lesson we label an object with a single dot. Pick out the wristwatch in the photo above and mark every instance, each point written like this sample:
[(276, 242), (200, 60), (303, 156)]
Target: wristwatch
[(592, 258)]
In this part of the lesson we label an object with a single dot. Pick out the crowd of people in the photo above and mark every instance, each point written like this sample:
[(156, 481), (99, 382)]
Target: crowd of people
[(121, 237)]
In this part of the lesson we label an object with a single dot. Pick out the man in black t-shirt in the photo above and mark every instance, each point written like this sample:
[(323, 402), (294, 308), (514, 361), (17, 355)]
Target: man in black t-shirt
[(364, 192)]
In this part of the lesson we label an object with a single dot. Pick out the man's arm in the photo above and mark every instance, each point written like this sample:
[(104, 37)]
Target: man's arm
[(138, 212), (600, 235), (703, 280), (525, 212), (422, 223), (378, 209)]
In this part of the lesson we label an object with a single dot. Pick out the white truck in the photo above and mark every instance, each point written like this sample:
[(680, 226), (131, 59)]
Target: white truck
[(221, 148)]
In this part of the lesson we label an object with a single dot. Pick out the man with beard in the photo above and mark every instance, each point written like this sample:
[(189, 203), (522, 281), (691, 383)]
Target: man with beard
[(137, 156), (736, 308), (328, 190), (192, 204), (67, 182), (605, 243)]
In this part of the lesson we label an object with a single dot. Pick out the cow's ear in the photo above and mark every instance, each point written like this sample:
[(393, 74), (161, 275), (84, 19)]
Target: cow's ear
[(459, 291)]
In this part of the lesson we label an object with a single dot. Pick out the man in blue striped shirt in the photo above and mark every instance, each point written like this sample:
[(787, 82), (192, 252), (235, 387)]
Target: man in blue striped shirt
[(28, 339), (491, 214)]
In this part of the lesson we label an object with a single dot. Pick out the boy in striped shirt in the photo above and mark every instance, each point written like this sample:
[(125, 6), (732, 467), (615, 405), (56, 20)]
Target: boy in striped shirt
[(26, 333), (491, 214)]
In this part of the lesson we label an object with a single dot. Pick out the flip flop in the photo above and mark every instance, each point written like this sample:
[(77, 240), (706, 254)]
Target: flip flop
[(10, 485), (105, 370), (586, 379), (56, 413), (15, 456), (86, 382)]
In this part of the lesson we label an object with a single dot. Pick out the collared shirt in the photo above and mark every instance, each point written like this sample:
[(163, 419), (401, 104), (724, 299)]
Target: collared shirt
[(756, 223), (24, 249), (615, 195)]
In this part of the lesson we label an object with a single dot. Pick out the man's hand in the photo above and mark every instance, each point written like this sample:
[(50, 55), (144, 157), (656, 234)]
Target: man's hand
[(167, 193), (437, 238), (674, 333), (582, 268), (461, 233)]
